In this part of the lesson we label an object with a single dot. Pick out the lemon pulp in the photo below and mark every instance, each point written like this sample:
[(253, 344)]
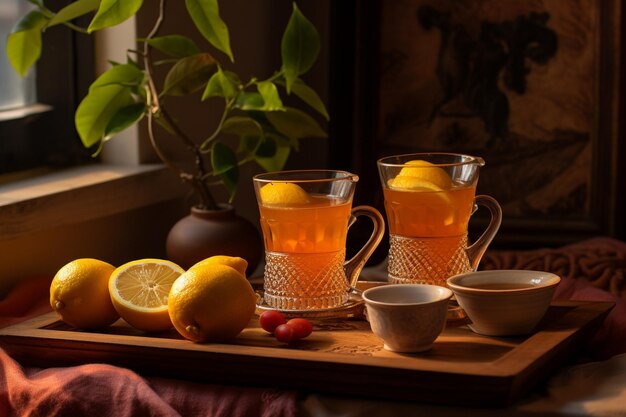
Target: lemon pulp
[(139, 291)]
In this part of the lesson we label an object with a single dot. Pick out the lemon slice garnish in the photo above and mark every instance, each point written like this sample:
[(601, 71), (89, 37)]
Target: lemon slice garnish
[(435, 197), (413, 184), (427, 171), (283, 194)]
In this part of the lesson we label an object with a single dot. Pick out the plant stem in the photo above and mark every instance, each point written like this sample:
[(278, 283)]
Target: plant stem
[(75, 28), (154, 107), (205, 145), (207, 200)]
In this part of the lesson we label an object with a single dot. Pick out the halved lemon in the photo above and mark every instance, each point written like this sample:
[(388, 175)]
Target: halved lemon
[(283, 194), (139, 291)]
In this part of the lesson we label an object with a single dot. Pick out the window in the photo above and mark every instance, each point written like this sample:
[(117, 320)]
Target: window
[(16, 92), (37, 112)]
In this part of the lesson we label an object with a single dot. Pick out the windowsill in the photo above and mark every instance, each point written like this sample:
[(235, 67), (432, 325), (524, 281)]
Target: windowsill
[(25, 111), (82, 194)]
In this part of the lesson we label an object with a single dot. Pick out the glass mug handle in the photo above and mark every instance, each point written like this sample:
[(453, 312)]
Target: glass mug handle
[(476, 251), (353, 267)]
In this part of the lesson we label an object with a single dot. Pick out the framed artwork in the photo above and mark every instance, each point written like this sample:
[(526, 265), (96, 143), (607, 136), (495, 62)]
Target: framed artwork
[(533, 87)]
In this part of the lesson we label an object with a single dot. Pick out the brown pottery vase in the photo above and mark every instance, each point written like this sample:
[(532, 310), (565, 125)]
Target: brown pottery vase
[(205, 233)]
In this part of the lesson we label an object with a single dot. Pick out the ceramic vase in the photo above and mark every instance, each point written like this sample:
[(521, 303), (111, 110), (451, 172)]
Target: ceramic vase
[(204, 233)]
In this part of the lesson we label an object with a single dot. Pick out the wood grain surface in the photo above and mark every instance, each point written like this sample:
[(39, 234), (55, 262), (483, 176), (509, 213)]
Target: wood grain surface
[(341, 357)]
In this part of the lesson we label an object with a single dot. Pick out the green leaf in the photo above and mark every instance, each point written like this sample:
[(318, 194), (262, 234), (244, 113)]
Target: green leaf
[(249, 101), (267, 152), (37, 2), (242, 126), (277, 161), (224, 164), (124, 118), (74, 10), (271, 99), (268, 128), (309, 96), (267, 148), (221, 84), (206, 16), (299, 47), (189, 74), (24, 43), (95, 112), (125, 75), (249, 144), (177, 46), (113, 12), (295, 124), (106, 97)]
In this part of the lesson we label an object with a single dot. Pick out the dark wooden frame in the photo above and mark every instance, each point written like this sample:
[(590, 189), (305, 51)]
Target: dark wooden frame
[(355, 32)]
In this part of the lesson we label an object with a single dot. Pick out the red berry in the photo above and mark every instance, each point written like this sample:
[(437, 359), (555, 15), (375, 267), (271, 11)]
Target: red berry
[(284, 333), (270, 320), (301, 328)]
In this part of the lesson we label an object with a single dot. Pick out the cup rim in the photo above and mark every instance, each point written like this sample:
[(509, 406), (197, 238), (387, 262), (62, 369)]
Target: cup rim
[(365, 295), (552, 280), (470, 159), (267, 177)]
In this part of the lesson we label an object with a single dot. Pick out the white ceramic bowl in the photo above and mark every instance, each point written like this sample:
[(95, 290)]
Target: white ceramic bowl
[(504, 302), (407, 317)]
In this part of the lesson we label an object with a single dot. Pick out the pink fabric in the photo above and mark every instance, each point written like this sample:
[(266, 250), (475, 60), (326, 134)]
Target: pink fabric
[(610, 339), (103, 390)]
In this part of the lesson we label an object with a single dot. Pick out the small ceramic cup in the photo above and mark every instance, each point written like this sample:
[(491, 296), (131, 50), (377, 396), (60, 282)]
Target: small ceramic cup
[(407, 317), (504, 302)]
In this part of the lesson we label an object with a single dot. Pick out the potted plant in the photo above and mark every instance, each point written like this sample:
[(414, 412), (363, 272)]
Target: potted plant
[(128, 92)]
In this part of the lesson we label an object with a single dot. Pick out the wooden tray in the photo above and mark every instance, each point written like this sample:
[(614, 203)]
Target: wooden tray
[(340, 357)]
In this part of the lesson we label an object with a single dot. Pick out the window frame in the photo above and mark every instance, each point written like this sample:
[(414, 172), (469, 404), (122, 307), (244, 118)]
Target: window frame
[(49, 138)]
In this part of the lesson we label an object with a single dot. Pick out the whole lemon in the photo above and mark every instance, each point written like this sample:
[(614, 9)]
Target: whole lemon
[(211, 303), (79, 293), (239, 264)]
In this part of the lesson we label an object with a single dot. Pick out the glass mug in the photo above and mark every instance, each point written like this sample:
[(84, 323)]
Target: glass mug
[(429, 198), (305, 216)]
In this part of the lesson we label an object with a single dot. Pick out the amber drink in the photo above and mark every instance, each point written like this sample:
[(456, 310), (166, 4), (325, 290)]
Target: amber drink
[(429, 199), (305, 217)]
